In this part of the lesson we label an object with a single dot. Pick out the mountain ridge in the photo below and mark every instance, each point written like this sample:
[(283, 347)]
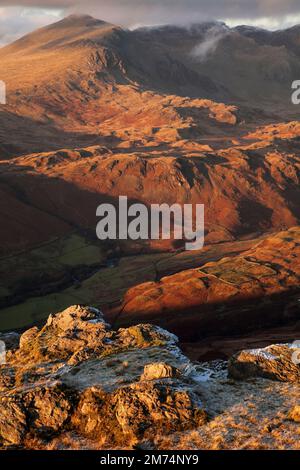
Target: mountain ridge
[(113, 112), (169, 65)]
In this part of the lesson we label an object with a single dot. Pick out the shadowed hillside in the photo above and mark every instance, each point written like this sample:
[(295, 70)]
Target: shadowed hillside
[(162, 115)]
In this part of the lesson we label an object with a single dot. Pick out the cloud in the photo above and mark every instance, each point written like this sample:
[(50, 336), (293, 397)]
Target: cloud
[(169, 10), (266, 13), (210, 42), (17, 21)]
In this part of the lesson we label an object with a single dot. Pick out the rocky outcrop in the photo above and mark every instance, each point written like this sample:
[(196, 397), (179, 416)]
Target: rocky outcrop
[(77, 374), (38, 410), (76, 382), (275, 362), (138, 411)]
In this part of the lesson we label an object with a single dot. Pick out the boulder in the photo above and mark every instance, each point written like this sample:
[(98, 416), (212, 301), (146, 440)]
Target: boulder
[(275, 362), (159, 370)]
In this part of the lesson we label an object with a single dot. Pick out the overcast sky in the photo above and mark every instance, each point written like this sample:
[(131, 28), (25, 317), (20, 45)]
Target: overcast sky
[(18, 17)]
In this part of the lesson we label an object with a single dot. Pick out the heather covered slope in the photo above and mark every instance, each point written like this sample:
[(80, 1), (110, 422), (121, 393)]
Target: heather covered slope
[(91, 128), (246, 188), (256, 289), (168, 60), (49, 203)]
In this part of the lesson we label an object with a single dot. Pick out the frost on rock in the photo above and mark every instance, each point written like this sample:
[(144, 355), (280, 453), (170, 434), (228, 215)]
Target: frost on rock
[(108, 385), (274, 362)]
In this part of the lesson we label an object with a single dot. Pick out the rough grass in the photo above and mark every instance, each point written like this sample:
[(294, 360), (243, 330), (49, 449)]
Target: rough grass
[(245, 415)]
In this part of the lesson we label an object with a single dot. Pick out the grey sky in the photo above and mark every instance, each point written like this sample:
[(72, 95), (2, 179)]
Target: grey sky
[(18, 17)]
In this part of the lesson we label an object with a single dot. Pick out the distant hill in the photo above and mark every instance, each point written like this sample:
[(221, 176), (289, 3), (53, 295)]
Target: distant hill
[(163, 115)]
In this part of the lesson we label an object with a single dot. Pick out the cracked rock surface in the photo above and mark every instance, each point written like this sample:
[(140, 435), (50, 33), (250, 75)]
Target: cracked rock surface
[(76, 383), (76, 374)]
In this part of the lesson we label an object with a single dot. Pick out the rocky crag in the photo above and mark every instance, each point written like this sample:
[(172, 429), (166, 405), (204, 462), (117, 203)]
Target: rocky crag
[(77, 383)]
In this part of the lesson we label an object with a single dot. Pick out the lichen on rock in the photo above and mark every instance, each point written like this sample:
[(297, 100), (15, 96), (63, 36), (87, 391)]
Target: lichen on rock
[(77, 374), (274, 362)]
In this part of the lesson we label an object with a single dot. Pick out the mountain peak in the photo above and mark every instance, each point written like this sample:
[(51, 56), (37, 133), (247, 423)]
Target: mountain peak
[(66, 31), (81, 20)]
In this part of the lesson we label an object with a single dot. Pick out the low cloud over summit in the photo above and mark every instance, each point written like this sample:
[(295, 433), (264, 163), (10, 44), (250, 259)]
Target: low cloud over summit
[(20, 16)]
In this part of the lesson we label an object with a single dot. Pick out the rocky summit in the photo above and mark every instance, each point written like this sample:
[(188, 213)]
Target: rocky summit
[(77, 383)]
